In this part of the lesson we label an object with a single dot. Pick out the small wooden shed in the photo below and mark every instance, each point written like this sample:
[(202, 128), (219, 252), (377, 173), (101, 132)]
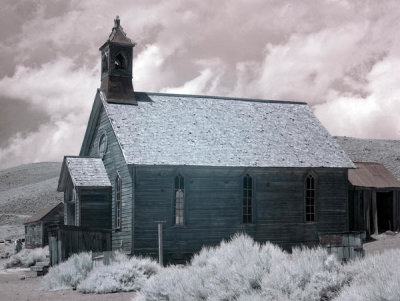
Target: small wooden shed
[(36, 227), (374, 199)]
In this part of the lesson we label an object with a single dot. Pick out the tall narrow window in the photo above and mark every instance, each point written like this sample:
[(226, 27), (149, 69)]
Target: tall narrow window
[(118, 184), (247, 199), (310, 198), (179, 199)]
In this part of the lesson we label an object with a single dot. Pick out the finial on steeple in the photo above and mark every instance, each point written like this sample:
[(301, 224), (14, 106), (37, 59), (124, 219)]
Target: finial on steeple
[(116, 66), (116, 22)]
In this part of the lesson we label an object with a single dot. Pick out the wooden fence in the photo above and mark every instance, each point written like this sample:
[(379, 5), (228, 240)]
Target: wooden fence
[(346, 245), (67, 240)]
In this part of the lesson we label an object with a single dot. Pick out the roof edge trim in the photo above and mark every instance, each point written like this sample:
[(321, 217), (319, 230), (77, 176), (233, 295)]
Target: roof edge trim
[(225, 98)]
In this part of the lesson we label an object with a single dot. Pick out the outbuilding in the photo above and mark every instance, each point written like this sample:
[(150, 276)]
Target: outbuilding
[(36, 227)]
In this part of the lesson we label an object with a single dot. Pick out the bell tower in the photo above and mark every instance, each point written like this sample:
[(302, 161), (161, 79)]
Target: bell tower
[(116, 67)]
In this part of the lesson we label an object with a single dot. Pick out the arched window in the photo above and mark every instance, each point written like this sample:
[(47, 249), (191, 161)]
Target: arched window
[(179, 199), (104, 62), (118, 198), (120, 62), (103, 145), (247, 200), (310, 190)]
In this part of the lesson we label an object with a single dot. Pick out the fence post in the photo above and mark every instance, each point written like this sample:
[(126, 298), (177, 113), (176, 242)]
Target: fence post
[(160, 244)]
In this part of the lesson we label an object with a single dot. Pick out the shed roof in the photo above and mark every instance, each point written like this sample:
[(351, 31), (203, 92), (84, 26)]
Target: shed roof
[(373, 175), (170, 129), (84, 171), (43, 213), (386, 152)]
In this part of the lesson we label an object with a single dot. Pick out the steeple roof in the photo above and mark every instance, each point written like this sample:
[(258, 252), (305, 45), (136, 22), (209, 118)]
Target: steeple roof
[(118, 35)]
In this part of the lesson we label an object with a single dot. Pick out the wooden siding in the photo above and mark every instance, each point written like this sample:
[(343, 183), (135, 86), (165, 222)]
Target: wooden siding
[(364, 209), (34, 235), (69, 205), (37, 232), (95, 207), (213, 206), (65, 241), (114, 163)]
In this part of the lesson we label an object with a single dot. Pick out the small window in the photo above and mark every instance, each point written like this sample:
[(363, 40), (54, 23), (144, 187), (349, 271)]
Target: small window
[(120, 62), (247, 200), (104, 62), (310, 198), (103, 145), (118, 184), (179, 199)]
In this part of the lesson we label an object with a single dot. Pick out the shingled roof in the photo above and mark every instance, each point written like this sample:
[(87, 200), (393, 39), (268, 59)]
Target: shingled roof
[(386, 152), (84, 172), (168, 129), (44, 212)]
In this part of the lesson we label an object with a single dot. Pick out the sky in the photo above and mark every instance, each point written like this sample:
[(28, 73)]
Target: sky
[(341, 57)]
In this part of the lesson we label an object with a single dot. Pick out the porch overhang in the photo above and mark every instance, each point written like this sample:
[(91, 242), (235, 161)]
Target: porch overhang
[(370, 175)]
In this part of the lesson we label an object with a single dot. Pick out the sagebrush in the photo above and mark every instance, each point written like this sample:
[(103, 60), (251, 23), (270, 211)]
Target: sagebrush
[(122, 274), (68, 274), (238, 270), (27, 257), (246, 270)]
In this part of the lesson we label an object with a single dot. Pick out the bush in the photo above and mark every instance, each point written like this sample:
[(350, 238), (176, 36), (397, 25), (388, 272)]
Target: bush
[(306, 274), (27, 257), (68, 274), (238, 270), (122, 274), (375, 277), (245, 270), (6, 250)]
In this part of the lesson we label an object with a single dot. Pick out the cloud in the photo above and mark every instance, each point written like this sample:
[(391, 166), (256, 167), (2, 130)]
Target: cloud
[(373, 116), (339, 56), (49, 143), (65, 93)]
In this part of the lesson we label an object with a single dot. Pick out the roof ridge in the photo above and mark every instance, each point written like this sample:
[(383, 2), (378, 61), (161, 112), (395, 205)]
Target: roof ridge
[(223, 97)]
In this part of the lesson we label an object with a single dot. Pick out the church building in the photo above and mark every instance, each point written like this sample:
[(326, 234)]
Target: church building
[(205, 167)]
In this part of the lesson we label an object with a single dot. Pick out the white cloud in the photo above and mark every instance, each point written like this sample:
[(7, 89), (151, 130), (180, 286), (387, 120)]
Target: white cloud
[(50, 143), (376, 115), (66, 94), (57, 87), (340, 56)]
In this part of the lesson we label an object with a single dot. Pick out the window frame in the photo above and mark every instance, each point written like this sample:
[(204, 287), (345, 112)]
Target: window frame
[(245, 200), (313, 188), (118, 202), (104, 62), (181, 187), (103, 138)]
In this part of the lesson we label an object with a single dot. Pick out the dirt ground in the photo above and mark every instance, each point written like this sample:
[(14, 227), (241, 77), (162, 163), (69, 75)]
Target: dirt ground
[(13, 288), (384, 241)]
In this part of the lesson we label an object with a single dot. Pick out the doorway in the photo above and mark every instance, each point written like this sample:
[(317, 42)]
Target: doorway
[(384, 203)]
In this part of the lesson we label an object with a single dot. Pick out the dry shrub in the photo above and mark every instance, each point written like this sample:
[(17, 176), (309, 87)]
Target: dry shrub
[(27, 257), (68, 274)]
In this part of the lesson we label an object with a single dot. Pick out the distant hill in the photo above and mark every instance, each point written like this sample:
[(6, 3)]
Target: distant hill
[(24, 190), (386, 152)]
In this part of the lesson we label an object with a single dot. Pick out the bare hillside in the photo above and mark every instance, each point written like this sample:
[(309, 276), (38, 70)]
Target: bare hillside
[(24, 190), (386, 152)]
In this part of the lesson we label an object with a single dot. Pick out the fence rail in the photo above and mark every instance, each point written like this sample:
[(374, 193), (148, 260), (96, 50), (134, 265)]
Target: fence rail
[(346, 245)]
